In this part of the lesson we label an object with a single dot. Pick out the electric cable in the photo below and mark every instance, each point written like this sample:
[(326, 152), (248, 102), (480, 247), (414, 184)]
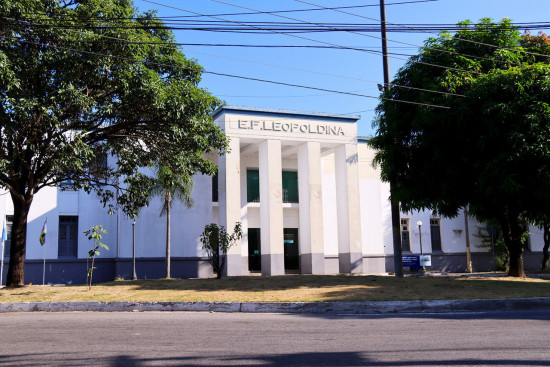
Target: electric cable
[(266, 12), (229, 75), (328, 43), (461, 39), (297, 69)]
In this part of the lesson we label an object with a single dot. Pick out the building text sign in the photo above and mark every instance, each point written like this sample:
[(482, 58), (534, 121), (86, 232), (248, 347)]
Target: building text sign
[(291, 127)]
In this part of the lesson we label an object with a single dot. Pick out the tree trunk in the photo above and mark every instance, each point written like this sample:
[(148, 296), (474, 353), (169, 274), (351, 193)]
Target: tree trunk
[(221, 266), (91, 273), (545, 253), (396, 231), (511, 230), (16, 269), (168, 202)]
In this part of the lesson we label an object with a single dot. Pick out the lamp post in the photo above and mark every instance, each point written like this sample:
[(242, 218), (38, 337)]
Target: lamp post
[(419, 224), (134, 275)]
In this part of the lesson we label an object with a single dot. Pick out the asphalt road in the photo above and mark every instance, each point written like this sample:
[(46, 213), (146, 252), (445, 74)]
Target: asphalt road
[(204, 339)]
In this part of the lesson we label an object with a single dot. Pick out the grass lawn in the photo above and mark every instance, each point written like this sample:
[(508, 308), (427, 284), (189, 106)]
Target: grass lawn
[(290, 288)]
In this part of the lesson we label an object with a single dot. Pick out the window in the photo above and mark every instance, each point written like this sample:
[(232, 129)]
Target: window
[(99, 169), (215, 188), (405, 238), (68, 237), (7, 244), (435, 232), (252, 186), (290, 187)]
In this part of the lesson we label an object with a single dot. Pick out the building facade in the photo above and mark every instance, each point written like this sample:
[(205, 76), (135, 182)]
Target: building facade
[(302, 185)]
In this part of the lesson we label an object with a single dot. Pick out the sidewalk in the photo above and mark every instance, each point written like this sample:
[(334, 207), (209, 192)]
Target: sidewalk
[(333, 308)]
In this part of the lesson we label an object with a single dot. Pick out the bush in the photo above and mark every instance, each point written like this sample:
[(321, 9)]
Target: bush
[(216, 241)]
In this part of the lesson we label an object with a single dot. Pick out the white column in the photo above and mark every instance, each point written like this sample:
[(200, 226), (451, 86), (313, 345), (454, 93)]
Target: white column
[(229, 195), (312, 249), (348, 209), (271, 208)]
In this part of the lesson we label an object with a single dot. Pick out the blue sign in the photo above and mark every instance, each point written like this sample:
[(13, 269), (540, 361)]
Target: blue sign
[(412, 261)]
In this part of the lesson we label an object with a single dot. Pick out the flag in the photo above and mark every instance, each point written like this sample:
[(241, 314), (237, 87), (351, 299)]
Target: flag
[(4, 232), (43, 233)]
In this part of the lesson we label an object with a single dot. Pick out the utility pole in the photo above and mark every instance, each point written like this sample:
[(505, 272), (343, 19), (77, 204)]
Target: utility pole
[(395, 217), (467, 233)]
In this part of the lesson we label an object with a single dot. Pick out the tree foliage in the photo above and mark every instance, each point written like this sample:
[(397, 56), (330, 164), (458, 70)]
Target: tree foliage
[(490, 149), (85, 79)]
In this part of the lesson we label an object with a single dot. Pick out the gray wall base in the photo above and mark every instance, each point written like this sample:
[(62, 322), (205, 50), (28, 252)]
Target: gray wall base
[(456, 262), (73, 271)]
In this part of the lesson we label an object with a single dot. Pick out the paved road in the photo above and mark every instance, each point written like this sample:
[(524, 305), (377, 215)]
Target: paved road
[(204, 339)]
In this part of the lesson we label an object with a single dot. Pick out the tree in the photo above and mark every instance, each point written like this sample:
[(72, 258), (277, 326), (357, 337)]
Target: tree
[(169, 187), (540, 46), (94, 234), (83, 79), (488, 149), (491, 238), (216, 241), (545, 252)]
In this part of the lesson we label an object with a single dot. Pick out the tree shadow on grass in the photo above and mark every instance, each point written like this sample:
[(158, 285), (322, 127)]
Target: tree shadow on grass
[(355, 288)]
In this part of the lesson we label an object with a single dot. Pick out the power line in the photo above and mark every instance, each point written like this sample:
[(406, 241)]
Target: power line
[(337, 76), (223, 25), (285, 67), (406, 43), (299, 20), (460, 39), (303, 21), (230, 75), (255, 13), (314, 40)]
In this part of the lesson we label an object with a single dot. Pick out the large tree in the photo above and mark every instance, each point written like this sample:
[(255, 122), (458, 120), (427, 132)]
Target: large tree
[(82, 79), (486, 145)]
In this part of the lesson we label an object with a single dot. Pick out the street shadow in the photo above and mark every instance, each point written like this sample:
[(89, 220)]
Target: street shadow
[(290, 359), (486, 315)]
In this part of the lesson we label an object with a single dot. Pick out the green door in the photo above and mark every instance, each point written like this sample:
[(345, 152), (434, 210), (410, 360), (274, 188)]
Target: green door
[(292, 257)]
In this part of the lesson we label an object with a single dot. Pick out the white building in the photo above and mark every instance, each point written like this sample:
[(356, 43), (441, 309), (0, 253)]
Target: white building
[(302, 185)]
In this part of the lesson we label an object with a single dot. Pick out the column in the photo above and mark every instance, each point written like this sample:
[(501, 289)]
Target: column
[(229, 198), (348, 209), (312, 249), (271, 208)]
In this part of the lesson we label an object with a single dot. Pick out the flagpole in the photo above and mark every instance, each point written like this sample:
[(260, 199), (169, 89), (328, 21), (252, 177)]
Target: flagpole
[(44, 267)]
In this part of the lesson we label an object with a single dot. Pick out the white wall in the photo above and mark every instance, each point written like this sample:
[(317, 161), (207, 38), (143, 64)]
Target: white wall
[(330, 220), (373, 222)]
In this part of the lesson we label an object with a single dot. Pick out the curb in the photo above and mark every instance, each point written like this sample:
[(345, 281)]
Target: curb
[(341, 308)]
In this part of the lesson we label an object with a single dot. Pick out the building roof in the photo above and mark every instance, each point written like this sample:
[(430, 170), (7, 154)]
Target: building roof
[(275, 111)]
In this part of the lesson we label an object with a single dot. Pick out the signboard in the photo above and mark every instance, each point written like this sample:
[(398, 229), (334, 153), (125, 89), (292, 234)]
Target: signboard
[(425, 260), (416, 262), (412, 261), (291, 127)]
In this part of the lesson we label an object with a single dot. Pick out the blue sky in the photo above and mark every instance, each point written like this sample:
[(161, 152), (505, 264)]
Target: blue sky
[(333, 69)]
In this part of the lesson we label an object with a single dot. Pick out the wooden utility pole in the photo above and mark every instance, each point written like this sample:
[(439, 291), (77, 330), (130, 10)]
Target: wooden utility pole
[(395, 216), (467, 232)]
